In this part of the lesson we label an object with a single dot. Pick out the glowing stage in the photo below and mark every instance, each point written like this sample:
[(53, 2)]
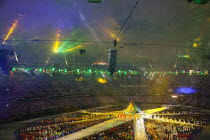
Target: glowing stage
[(130, 113)]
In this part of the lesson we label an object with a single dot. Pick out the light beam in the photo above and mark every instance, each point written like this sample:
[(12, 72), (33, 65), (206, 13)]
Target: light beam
[(11, 29), (57, 42), (73, 48)]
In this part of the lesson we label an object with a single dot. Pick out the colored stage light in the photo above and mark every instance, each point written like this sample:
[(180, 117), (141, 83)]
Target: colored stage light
[(102, 80), (65, 70), (100, 63), (40, 70), (73, 48), (57, 43), (186, 90), (62, 46), (89, 70), (12, 28), (155, 110), (195, 45), (174, 96)]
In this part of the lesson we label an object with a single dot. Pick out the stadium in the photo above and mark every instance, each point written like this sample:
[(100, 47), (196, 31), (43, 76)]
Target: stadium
[(105, 70)]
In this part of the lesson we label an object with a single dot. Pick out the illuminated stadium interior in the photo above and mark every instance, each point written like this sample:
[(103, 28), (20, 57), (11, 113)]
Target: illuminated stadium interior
[(105, 69)]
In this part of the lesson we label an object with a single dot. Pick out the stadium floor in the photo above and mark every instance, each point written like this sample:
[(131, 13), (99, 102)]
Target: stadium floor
[(7, 130), (95, 129)]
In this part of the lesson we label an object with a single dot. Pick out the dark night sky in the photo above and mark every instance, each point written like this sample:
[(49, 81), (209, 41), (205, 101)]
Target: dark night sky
[(164, 22)]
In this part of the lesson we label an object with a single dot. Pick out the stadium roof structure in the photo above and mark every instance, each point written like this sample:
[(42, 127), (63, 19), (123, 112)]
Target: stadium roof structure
[(42, 29)]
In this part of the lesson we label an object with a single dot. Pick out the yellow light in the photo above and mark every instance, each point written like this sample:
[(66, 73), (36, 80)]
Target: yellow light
[(195, 45), (198, 39), (112, 35), (79, 79), (73, 48), (102, 81), (155, 110), (100, 63), (14, 25), (174, 96), (56, 45)]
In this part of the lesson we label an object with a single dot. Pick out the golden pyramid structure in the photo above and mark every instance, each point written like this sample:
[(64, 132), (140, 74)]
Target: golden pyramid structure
[(132, 108)]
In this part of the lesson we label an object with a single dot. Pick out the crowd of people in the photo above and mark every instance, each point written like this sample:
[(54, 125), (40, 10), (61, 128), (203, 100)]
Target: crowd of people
[(56, 126), (188, 116), (27, 94), (121, 132), (53, 130), (19, 107), (169, 131), (180, 123), (64, 124), (44, 93)]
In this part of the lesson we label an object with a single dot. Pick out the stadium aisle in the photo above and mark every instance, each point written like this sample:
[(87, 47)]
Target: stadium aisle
[(139, 128)]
